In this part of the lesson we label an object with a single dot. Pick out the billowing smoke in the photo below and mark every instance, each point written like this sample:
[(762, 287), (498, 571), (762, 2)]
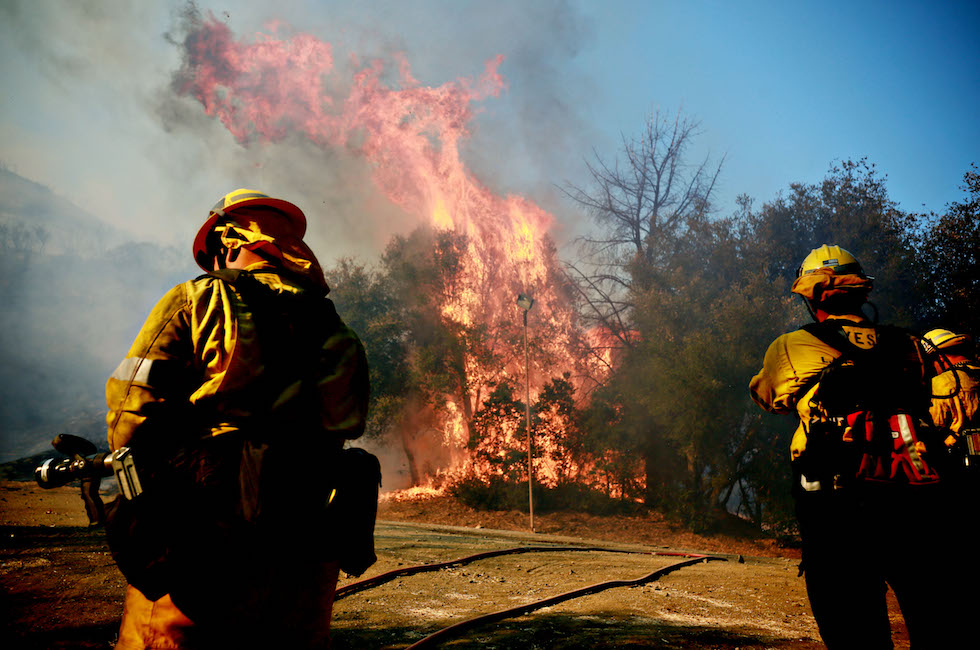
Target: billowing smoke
[(360, 116), (317, 118), (74, 291)]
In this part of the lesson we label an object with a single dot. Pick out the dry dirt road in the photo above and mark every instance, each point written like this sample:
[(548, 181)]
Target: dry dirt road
[(61, 590)]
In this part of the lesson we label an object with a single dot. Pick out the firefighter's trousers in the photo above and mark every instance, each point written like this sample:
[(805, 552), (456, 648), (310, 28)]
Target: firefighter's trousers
[(858, 542), (301, 619)]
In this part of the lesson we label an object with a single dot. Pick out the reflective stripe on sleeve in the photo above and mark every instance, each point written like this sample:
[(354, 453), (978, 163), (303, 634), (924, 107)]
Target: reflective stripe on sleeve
[(905, 430), (808, 485), (133, 369)]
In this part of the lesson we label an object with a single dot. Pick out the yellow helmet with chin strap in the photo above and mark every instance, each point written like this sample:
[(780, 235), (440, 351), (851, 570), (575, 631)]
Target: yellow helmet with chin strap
[(834, 258), (940, 339), (241, 198)]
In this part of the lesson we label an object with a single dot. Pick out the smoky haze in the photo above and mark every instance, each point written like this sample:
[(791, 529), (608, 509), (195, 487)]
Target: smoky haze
[(74, 291)]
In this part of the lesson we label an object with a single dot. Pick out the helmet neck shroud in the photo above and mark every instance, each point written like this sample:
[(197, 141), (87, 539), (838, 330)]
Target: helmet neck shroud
[(841, 304)]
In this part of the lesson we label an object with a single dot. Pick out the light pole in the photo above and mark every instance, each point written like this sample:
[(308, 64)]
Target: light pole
[(525, 302)]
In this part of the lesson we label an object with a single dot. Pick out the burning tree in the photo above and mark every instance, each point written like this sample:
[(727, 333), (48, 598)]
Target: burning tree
[(449, 324), (439, 375)]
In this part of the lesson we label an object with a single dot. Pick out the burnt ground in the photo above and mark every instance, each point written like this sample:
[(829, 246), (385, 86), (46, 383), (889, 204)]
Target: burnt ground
[(60, 589)]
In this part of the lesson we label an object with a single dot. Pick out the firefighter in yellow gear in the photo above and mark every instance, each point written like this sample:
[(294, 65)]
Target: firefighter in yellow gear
[(956, 386), (857, 539), (226, 354), (955, 411)]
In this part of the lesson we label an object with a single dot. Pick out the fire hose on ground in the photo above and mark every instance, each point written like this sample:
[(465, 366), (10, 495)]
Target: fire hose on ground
[(80, 465), (463, 626)]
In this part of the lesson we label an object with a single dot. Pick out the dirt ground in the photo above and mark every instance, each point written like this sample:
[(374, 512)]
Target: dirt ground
[(61, 590)]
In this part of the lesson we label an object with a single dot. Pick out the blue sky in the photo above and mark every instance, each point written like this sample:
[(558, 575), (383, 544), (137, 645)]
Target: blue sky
[(782, 89)]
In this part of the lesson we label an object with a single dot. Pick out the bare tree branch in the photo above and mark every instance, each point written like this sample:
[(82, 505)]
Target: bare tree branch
[(641, 203)]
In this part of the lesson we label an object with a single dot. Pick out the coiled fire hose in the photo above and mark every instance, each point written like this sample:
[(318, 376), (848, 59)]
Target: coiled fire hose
[(458, 628)]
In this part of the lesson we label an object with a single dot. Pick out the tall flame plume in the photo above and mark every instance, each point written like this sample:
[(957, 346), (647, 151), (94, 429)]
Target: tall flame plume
[(276, 86)]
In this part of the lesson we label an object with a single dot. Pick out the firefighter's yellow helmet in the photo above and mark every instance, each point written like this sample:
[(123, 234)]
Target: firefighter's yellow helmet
[(835, 258), (940, 339), (241, 198)]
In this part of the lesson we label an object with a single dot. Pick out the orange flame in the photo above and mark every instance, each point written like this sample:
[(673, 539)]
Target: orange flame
[(411, 134)]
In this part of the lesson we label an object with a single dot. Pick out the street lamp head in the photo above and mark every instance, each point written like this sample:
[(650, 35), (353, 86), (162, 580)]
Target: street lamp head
[(524, 301)]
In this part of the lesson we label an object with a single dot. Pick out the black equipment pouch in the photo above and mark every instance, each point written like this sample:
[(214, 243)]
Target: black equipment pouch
[(353, 509)]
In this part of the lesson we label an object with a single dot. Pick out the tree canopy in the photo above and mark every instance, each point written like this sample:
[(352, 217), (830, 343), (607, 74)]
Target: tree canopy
[(674, 307)]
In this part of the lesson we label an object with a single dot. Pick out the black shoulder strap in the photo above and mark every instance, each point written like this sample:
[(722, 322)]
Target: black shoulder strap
[(832, 334)]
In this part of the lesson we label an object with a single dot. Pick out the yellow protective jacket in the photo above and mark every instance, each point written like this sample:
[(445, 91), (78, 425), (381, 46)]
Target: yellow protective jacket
[(792, 362), (197, 363), (197, 367), (956, 397)]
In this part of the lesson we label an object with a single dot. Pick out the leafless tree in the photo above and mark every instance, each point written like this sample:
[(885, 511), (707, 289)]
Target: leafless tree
[(641, 204)]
